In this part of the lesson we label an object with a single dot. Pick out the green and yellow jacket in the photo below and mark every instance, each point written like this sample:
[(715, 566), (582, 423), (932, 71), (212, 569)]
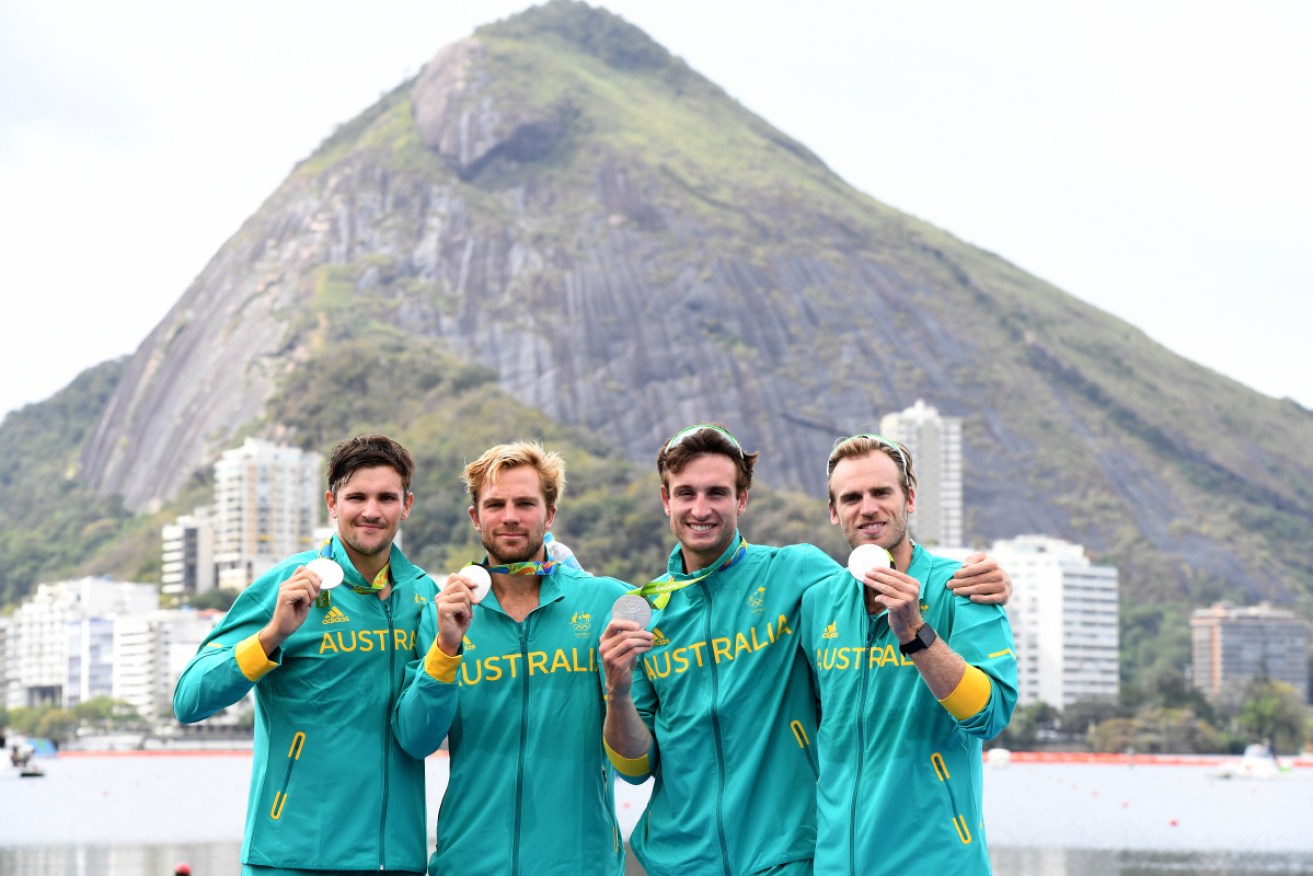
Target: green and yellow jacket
[(522, 707), (900, 784), (728, 698), (337, 778)]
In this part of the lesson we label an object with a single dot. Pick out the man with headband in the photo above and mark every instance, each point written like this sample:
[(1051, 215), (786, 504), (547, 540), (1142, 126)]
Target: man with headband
[(515, 663), (337, 777), (911, 678), (716, 698)]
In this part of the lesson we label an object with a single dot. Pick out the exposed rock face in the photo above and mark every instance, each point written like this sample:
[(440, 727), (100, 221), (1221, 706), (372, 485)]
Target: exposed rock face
[(633, 290), (459, 120)]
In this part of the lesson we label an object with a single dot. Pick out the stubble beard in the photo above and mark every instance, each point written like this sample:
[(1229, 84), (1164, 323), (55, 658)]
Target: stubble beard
[(531, 551)]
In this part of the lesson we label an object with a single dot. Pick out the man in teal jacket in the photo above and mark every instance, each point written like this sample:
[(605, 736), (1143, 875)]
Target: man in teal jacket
[(911, 678), (715, 699), (337, 783), (518, 691)]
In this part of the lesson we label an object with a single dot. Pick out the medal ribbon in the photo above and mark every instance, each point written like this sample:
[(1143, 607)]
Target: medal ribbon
[(380, 580), (663, 587), (541, 568)]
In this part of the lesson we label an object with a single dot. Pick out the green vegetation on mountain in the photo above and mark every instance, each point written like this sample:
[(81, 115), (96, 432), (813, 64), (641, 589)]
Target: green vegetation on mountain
[(50, 521)]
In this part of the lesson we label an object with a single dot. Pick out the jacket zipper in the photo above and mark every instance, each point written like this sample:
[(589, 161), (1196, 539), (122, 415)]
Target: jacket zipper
[(387, 733), (293, 755), (959, 820), (523, 629), (861, 746), (720, 744)]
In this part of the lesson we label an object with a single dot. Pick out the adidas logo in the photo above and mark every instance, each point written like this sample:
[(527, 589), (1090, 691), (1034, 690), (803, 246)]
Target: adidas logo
[(469, 646), (335, 616), (830, 632), (659, 638)]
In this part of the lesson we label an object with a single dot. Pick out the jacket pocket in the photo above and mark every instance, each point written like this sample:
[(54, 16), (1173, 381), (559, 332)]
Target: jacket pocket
[(960, 826), (293, 755), (800, 736)]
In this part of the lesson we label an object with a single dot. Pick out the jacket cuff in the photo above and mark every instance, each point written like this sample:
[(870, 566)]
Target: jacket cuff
[(251, 659), (631, 767), (970, 696), (440, 666)]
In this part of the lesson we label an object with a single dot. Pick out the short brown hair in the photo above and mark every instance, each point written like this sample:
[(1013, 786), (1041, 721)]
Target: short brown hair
[(368, 450), (488, 468), (686, 444), (860, 445)]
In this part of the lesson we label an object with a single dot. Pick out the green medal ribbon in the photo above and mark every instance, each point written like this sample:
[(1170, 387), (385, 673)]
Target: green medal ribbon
[(663, 587), (380, 580)]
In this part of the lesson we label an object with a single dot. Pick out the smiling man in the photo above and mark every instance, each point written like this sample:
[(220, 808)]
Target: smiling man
[(337, 779), (911, 678), (518, 690)]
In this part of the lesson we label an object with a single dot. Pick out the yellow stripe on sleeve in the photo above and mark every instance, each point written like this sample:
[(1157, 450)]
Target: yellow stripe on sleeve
[(440, 666), (251, 659), (634, 767), (970, 696)]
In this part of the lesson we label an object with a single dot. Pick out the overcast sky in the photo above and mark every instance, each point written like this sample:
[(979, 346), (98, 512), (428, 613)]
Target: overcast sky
[(1152, 158)]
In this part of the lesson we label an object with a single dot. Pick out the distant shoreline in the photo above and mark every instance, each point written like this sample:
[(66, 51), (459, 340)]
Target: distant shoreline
[(1088, 757)]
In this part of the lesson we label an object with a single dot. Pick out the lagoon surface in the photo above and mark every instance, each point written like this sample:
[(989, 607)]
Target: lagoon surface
[(139, 815)]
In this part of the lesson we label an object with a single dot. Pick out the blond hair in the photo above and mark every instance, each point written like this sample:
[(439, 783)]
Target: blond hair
[(487, 469)]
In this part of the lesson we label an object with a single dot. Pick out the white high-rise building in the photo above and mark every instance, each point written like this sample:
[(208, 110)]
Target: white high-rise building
[(188, 568), (935, 443), (1064, 614), (267, 504), (8, 663), (150, 652), (61, 639)]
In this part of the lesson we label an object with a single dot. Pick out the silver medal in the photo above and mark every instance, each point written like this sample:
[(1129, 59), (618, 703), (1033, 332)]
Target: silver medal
[(632, 607), (329, 572), (479, 579), (866, 557)]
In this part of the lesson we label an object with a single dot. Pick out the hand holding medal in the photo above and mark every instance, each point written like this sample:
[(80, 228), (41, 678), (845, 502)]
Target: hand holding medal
[(330, 573), (479, 580), (866, 557)]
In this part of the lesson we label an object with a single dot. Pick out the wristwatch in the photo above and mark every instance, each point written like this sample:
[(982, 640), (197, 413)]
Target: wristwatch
[(925, 637)]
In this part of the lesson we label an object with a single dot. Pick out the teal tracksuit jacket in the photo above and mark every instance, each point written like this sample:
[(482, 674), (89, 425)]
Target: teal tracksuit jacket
[(900, 785), (337, 778), (728, 698), (530, 792)]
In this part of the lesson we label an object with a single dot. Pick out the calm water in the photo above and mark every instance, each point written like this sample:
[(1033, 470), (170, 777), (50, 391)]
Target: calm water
[(139, 816)]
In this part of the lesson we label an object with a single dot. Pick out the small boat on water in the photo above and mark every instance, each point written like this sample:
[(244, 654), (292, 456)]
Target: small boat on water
[(22, 752), (1258, 762)]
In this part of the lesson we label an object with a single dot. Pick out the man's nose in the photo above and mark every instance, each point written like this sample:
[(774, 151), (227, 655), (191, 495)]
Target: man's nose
[(701, 506)]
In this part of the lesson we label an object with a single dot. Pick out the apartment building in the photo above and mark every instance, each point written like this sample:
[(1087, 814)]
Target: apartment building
[(1231, 645), (935, 443)]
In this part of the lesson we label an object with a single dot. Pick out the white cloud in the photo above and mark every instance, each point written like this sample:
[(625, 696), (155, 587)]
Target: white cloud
[(1150, 158)]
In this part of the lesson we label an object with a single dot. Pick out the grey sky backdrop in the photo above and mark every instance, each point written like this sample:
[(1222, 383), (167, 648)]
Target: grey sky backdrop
[(1149, 157)]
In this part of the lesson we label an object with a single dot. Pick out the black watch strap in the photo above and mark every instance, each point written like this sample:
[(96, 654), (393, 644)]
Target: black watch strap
[(925, 637)]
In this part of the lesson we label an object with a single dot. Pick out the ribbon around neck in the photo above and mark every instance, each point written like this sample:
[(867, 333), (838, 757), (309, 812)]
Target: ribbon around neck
[(663, 587), (380, 580), (542, 568)]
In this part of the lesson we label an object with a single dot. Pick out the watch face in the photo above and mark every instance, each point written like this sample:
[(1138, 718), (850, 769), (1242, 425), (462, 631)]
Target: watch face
[(925, 637)]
